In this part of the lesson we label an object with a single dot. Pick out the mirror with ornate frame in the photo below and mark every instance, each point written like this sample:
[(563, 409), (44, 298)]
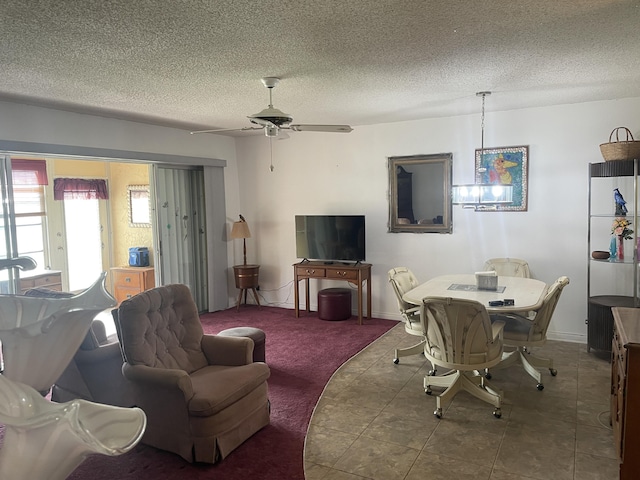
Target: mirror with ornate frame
[(420, 193), (139, 206)]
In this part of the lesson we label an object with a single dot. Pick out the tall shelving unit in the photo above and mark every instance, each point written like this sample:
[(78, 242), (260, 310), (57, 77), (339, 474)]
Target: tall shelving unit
[(612, 282)]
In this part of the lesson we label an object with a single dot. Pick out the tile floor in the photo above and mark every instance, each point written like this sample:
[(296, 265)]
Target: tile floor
[(374, 421)]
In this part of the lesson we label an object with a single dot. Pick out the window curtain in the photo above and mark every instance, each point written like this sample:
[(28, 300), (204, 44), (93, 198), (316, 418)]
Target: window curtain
[(79, 189), (29, 172)]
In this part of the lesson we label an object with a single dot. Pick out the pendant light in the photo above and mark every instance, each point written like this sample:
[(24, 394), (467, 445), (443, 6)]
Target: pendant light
[(482, 196)]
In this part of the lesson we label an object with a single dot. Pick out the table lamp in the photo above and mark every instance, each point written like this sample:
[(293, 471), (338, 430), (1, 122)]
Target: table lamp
[(240, 229)]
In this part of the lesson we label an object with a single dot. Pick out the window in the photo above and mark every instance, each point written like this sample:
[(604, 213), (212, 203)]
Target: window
[(29, 178)]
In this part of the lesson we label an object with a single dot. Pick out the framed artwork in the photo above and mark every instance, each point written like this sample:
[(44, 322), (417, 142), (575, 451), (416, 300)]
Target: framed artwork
[(506, 165)]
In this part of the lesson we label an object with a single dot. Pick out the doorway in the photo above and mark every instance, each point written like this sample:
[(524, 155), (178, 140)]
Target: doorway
[(213, 263), (84, 222)]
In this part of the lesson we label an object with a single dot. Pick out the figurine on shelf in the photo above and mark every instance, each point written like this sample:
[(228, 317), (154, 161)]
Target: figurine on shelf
[(621, 207)]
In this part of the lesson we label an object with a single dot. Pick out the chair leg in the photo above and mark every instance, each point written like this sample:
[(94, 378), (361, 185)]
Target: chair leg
[(472, 382), (405, 352), (480, 388), (529, 362)]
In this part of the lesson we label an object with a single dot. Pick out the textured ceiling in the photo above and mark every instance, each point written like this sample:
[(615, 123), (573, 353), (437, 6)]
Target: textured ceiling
[(197, 64)]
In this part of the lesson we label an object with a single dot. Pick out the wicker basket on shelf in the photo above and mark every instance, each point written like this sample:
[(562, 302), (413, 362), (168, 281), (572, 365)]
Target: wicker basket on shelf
[(627, 149)]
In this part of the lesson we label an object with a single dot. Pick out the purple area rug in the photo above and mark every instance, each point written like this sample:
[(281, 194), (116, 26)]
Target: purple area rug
[(302, 353)]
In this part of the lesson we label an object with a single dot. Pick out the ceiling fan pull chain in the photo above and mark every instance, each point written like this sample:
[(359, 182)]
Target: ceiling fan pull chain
[(271, 153)]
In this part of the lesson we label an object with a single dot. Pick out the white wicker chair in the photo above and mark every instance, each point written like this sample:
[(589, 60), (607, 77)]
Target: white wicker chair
[(402, 280), (522, 333), (508, 267), (461, 337)]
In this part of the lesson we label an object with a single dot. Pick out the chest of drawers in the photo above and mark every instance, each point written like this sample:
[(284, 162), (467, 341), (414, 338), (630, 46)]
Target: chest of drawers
[(129, 281), (52, 279), (625, 389)]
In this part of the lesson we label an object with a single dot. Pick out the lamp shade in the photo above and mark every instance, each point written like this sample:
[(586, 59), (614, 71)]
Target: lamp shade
[(482, 194), (240, 229)]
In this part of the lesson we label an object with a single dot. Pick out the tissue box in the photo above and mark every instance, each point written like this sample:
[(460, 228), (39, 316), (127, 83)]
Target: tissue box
[(487, 280), (138, 257)]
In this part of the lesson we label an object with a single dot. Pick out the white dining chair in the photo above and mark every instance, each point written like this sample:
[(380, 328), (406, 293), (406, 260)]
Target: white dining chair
[(522, 333), (402, 280)]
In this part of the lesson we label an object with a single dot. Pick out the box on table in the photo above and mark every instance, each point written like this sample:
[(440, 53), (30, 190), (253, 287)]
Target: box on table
[(487, 280)]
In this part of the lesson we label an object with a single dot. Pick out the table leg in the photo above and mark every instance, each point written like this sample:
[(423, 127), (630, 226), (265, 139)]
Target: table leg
[(306, 294), (255, 295), (296, 295), (359, 301), (239, 300), (369, 297)]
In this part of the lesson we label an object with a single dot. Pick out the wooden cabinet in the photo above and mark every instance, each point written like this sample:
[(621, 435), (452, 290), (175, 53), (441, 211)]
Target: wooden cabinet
[(51, 279), (625, 389), (129, 281), (356, 274)]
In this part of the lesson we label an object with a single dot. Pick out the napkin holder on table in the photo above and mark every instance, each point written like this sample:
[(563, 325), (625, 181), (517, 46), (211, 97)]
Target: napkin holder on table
[(487, 280)]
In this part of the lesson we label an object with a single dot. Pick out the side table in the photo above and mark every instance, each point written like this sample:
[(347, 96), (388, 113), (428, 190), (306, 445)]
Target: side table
[(246, 279)]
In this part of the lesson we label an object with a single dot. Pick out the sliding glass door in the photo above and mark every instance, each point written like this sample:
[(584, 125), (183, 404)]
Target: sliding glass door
[(8, 236)]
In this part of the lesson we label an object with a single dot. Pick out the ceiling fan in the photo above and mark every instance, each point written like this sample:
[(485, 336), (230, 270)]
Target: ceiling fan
[(273, 120)]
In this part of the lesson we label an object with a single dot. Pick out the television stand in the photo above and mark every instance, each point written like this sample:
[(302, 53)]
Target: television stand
[(355, 274)]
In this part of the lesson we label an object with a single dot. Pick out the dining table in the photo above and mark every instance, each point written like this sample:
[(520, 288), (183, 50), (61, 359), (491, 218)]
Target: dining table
[(527, 293)]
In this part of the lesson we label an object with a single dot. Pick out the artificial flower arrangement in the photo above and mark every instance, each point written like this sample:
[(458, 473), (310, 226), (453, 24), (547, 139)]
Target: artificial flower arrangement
[(620, 228)]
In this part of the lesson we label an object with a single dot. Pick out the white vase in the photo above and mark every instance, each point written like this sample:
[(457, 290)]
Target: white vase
[(40, 335), (47, 440)]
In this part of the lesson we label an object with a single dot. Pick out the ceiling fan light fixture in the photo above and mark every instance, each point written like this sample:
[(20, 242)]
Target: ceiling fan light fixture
[(273, 120), (273, 115), (271, 131)]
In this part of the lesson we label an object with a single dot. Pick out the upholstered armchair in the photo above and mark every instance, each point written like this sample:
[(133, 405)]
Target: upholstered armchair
[(95, 372), (402, 280), (461, 337), (202, 394)]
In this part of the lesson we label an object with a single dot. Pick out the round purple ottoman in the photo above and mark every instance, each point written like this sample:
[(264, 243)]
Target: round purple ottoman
[(334, 304), (255, 334)]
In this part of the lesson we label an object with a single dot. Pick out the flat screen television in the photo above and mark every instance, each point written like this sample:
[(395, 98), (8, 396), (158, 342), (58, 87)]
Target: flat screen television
[(330, 238)]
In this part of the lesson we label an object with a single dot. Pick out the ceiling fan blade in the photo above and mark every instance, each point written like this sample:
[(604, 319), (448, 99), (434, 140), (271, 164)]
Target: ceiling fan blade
[(321, 128), (218, 130)]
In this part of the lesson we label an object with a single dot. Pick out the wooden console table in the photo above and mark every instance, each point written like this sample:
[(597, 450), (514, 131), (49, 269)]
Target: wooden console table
[(356, 274)]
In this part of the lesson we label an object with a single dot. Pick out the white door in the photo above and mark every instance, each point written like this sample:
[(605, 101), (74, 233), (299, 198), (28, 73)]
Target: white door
[(84, 222)]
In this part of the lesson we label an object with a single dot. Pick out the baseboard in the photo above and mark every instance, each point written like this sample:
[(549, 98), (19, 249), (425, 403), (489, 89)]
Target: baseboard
[(567, 337)]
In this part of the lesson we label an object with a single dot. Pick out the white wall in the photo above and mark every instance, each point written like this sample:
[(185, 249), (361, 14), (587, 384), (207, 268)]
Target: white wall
[(347, 174)]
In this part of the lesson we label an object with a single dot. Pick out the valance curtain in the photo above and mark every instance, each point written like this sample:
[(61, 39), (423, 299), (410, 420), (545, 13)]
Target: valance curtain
[(29, 172), (80, 189)]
